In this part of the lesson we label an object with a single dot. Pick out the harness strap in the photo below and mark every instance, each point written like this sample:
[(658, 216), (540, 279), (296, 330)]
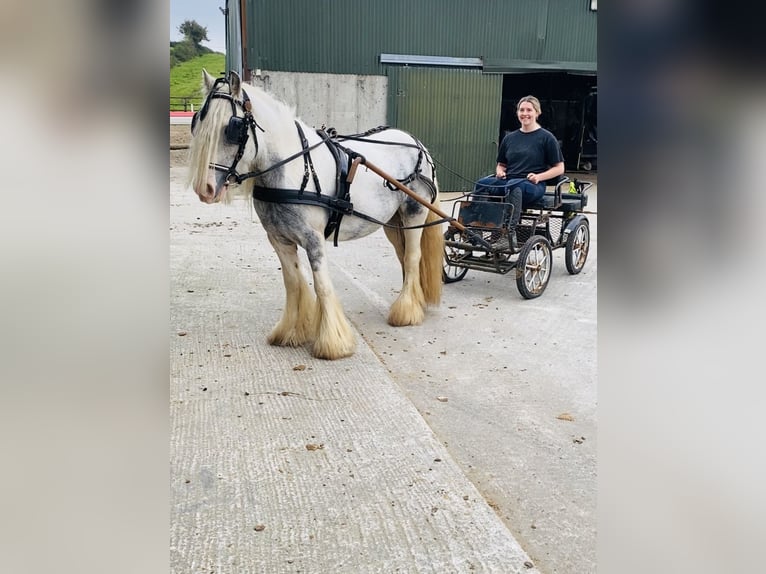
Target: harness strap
[(338, 205), (342, 188), (280, 163), (364, 137), (416, 174), (296, 196), (308, 163)]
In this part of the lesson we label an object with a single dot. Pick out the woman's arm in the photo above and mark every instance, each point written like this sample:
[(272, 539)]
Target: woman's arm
[(549, 173)]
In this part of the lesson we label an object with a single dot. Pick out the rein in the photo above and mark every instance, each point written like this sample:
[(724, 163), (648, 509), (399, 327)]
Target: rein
[(303, 152)]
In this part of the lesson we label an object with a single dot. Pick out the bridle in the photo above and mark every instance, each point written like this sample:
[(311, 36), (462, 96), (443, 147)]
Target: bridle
[(236, 131)]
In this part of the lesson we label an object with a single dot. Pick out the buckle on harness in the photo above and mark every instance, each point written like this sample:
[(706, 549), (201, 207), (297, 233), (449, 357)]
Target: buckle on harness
[(341, 205)]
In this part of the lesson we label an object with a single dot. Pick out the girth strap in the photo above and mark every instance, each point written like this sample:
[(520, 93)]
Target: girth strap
[(298, 197)]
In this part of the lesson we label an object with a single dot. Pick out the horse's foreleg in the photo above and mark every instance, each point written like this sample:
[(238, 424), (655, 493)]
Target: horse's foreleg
[(297, 324), (335, 338), (409, 307)]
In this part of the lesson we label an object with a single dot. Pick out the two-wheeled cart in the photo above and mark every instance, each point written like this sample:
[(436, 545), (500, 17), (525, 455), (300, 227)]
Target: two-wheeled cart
[(481, 241)]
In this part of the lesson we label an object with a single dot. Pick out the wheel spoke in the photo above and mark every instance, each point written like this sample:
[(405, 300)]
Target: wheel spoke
[(535, 268), (576, 254)]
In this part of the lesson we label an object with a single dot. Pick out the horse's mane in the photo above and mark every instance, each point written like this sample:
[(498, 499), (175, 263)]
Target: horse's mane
[(271, 114), (268, 109)]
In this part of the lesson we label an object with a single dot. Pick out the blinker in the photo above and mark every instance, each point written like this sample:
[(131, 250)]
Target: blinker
[(234, 130)]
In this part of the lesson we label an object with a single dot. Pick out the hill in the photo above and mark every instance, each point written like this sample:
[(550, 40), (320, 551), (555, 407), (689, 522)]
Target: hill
[(186, 79)]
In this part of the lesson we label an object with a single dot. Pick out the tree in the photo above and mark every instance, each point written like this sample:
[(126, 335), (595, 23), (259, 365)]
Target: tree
[(183, 51), (194, 32)]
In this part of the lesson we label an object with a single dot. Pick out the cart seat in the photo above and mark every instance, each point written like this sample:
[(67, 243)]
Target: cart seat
[(559, 198), (569, 202)]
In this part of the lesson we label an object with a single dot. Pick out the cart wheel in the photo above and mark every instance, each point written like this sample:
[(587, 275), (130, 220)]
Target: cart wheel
[(452, 273), (578, 244), (533, 268)]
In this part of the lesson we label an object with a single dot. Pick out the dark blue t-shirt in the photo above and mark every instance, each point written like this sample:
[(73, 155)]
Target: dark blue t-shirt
[(523, 153)]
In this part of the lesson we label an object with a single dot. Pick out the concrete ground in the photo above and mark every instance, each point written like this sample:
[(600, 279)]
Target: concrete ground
[(466, 444)]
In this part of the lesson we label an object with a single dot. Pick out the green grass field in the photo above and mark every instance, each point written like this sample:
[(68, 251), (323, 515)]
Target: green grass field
[(186, 78)]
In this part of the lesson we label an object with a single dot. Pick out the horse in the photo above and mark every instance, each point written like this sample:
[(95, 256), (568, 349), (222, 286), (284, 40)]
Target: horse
[(247, 142)]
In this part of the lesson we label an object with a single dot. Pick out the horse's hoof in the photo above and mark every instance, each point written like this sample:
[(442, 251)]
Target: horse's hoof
[(289, 340), (332, 353), (397, 318)]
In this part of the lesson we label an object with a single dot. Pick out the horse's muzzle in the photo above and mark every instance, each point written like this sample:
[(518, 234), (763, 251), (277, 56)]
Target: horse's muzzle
[(214, 189), (210, 193), (220, 187)]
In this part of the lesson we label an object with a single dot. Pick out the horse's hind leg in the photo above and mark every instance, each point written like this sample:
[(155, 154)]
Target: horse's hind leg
[(409, 307), (396, 238), (297, 324), (335, 338)]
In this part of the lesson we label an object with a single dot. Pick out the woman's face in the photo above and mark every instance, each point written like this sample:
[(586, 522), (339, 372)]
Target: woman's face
[(527, 115)]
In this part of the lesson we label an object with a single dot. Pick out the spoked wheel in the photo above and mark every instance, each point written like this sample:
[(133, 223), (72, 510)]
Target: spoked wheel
[(533, 268), (578, 244), (451, 273)]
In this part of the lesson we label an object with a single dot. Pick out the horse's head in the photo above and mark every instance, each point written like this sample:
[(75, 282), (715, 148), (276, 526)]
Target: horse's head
[(224, 140)]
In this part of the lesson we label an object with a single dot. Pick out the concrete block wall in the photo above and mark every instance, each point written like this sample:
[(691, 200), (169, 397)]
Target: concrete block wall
[(347, 102)]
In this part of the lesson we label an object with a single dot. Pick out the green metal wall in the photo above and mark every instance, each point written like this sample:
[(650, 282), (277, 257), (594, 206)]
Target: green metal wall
[(348, 36), (455, 113)]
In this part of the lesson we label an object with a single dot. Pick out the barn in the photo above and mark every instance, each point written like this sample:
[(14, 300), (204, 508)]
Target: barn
[(448, 71)]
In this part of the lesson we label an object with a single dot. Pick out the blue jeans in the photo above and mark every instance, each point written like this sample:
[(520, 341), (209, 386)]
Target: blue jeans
[(491, 185)]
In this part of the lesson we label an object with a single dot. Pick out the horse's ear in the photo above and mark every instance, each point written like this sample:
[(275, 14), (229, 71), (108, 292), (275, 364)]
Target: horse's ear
[(207, 80), (235, 82)]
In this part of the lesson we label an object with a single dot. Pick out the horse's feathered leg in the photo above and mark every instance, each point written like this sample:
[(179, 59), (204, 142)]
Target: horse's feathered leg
[(396, 237), (421, 253), (409, 307), (335, 338), (297, 324), (432, 259)]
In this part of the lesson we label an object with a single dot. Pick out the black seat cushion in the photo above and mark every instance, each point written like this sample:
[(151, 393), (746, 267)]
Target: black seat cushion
[(569, 202)]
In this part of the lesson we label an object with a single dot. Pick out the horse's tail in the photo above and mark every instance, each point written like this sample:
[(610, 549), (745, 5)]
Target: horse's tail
[(432, 259)]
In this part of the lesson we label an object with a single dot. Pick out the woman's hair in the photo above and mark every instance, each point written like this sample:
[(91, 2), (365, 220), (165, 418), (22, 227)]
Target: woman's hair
[(532, 100)]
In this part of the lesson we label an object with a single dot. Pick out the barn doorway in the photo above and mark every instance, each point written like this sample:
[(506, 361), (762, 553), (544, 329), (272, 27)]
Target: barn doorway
[(569, 111)]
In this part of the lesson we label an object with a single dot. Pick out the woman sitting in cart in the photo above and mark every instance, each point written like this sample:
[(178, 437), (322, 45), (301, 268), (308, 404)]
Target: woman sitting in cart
[(526, 158)]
